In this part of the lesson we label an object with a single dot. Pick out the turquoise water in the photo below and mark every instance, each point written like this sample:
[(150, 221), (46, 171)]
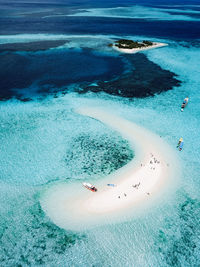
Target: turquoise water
[(44, 141)]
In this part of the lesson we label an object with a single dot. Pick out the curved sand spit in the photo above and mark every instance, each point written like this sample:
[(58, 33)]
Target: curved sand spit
[(71, 206)]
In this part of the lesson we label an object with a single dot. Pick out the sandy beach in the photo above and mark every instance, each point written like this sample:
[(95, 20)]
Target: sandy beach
[(135, 50), (73, 206)]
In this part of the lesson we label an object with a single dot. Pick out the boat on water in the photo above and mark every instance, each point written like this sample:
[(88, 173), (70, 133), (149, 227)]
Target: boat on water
[(90, 187), (179, 141), (184, 104), (180, 144)]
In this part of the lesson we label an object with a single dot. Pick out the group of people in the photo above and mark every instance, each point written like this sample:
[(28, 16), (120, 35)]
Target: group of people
[(152, 162)]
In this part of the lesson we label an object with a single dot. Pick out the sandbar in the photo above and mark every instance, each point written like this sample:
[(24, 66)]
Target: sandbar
[(71, 206)]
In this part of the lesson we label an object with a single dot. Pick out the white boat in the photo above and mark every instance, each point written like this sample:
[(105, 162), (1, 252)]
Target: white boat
[(90, 187), (184, 104)]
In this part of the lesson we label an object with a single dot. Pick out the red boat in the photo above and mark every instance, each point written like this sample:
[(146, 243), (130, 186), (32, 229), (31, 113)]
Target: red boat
[(90, 187)]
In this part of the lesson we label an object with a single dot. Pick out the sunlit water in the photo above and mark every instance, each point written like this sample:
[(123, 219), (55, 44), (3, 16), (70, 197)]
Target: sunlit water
[(44, 141)]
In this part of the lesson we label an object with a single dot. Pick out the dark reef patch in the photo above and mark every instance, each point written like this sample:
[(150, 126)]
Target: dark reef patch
[(179, 244), (145, 79), (98, 155), (28, 75), (31, 74), (31, 46)]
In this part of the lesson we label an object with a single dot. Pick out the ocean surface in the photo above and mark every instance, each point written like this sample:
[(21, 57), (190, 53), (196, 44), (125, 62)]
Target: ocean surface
[(54, 58)]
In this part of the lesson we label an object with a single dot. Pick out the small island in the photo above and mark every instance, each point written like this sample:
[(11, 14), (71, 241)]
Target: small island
[(130, 46)]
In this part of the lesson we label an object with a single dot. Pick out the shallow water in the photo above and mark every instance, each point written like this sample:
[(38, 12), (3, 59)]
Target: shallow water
[(44, 141)]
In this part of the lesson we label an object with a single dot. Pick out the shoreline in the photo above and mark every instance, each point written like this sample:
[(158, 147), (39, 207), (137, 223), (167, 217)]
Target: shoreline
[(135, 50), (74, 207)]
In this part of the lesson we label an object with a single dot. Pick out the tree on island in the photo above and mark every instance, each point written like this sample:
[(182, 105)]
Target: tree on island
[(130, 44), (147, 43)]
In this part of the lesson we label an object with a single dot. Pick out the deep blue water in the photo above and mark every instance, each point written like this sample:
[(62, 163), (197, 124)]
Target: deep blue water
[(181, 30), (51, 71), (56, 68), (28, 17)]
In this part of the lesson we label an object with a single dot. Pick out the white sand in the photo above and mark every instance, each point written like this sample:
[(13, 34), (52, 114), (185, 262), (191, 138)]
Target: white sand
[(74, 207), (135, 50)]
